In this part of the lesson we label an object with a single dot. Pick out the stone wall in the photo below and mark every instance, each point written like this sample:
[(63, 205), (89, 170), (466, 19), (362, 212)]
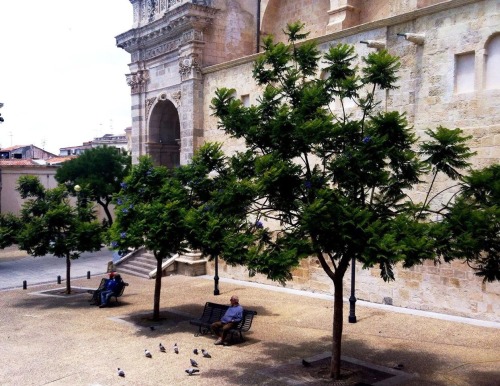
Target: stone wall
[(233, 33), (428, 95), (279, 12)]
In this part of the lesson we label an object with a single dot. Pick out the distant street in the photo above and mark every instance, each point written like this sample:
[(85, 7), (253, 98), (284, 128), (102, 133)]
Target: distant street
[(45, 269)]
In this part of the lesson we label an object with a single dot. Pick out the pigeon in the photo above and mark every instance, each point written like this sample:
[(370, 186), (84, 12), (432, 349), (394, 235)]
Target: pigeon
[(195, 351), (193, 363), (162, 347), (121, 373), (205, 353), (176, 348), (191, 371), (306, 363), (147, 353)]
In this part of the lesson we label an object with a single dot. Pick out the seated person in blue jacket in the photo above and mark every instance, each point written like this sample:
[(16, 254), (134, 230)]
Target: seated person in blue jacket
[(231, 318), (113, 286), (96, 295)]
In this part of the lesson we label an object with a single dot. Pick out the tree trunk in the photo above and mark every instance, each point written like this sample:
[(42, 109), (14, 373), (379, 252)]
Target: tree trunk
[(338, 322), (108, 215), (105, 207), (68, 274), (156, 306)]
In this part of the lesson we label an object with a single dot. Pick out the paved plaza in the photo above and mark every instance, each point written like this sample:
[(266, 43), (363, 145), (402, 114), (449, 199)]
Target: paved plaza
[(49, 338)]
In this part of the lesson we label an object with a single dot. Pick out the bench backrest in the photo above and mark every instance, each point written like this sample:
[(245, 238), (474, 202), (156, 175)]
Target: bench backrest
[(246, 322), (215, 311), (121, 289)]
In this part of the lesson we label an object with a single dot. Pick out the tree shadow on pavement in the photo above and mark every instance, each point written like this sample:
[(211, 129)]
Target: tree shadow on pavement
[(294, 372)]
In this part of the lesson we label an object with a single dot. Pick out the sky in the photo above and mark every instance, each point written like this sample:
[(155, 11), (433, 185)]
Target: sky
[(62, 78)]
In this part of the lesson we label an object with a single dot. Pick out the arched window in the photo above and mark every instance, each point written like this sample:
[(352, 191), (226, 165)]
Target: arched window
[(492, 75)]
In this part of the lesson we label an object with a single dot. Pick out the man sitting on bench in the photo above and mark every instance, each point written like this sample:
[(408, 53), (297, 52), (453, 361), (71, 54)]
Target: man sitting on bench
[(230, 320), (96, 294), (113, 286)]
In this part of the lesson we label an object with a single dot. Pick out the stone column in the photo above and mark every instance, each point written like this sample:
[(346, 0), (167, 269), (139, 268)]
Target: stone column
[(343, 14), (191, 110), (137, 80)]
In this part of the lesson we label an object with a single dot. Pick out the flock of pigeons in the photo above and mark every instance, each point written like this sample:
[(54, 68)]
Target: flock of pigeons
[(190, 371)]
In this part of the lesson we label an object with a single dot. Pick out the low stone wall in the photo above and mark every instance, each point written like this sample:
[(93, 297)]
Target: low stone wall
[(448, 288)]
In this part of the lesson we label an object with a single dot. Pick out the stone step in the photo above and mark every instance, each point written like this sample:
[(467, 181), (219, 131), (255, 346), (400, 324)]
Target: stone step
[(139, 268), (142, 263), (126, 271)]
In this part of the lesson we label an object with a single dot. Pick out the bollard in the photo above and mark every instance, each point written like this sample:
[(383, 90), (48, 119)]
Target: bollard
[(25, 284), (88, 274), (59, 279)]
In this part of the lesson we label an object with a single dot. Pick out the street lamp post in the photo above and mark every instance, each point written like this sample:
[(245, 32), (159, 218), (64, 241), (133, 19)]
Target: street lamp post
[(352, 298), (212, 175), (216, 277)]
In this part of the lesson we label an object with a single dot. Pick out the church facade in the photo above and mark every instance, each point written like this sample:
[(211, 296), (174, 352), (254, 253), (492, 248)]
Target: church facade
[(182, 50)]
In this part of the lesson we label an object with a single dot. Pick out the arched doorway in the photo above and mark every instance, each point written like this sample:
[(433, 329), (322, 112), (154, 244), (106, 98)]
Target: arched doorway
[(164, 134)]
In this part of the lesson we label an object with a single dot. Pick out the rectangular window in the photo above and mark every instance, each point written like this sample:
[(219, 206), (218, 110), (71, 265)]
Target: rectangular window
[(245, 99), (464, 73)]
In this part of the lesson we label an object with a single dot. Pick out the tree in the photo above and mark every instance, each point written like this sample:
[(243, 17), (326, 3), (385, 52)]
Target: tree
[(472, 225), (98, 172), (50, 224), (216, 217), (150, 211), (336, 186), (10, 226)]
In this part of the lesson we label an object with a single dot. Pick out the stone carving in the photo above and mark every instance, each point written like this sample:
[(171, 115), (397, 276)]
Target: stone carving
[(189, 66), (160, 49), (173, 3), (192, 35), (176, 97), (151, 9), (137, 80), (149, 103)]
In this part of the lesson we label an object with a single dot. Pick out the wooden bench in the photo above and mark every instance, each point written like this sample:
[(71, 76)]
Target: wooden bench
[(101, 287), (214, 312)]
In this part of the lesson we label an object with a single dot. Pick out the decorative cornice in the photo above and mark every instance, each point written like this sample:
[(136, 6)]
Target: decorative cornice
[(169, 46), (171, 26)]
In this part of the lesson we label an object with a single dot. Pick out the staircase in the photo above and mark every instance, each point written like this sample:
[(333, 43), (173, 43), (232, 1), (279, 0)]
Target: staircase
[(139, 265), (142, 263)]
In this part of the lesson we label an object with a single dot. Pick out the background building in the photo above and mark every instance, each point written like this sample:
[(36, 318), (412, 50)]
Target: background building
[(120, 141), (25, 152), (182, 51)]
